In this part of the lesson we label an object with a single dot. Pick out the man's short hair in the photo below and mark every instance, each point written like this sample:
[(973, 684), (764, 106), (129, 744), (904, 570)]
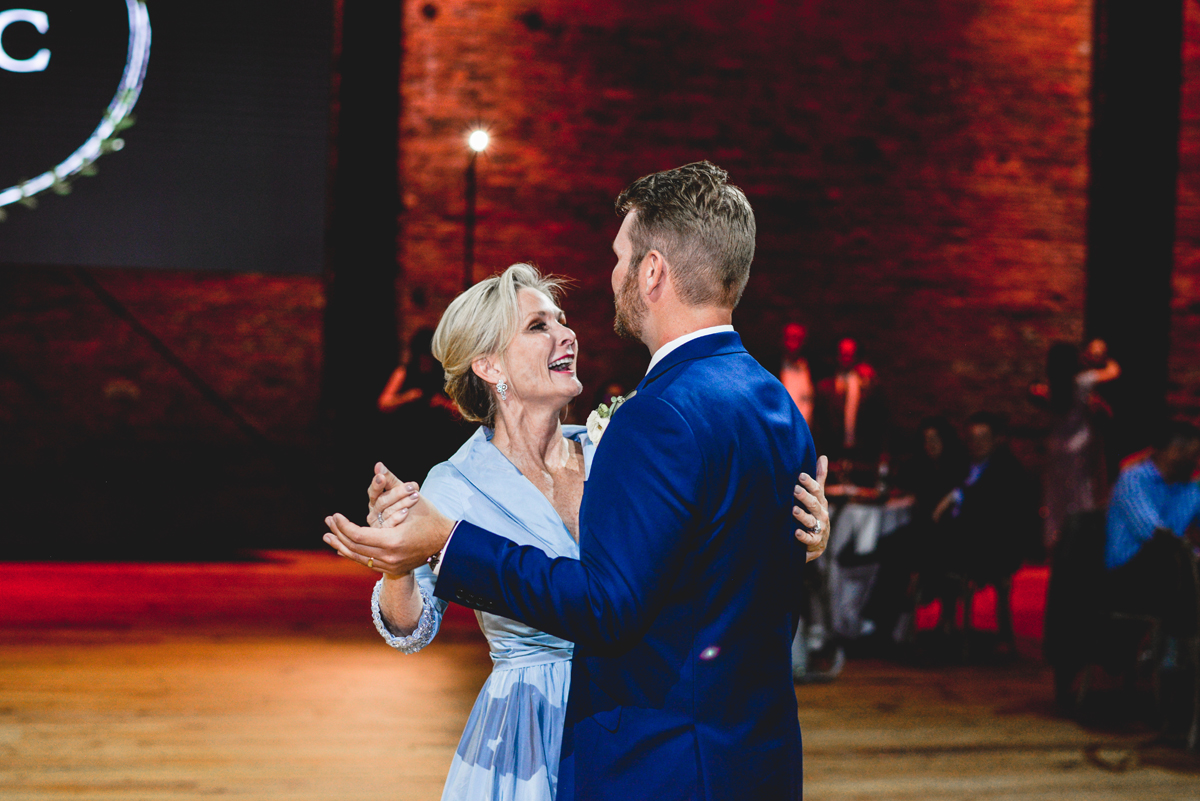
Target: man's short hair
[(1174, 431), (997, 422), (703, 226)]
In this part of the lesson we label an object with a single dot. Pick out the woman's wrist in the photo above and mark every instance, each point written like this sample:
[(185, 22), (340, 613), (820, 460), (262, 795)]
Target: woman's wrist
[(421, 634)]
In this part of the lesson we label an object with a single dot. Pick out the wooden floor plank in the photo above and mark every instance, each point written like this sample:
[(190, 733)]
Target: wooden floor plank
[(265, 681)]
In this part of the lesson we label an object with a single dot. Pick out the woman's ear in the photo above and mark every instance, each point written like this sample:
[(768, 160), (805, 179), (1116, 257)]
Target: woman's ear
[(487, 368)]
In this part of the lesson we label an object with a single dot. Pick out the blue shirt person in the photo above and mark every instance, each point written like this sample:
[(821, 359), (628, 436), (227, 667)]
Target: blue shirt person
[(1155, 506), (1158, 493)]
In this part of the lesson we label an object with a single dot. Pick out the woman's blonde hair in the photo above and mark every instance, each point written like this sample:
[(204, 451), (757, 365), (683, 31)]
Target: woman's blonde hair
[(480, 322)]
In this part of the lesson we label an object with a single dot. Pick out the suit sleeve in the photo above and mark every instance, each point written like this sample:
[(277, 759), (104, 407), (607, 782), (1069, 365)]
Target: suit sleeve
[(638, 520)]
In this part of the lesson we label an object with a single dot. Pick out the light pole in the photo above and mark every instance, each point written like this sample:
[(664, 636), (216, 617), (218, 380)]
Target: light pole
[(477, 142)]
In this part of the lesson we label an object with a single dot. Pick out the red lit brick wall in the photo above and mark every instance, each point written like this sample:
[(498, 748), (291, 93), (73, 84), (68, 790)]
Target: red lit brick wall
[(1185, 308), (108, 452), (918, 168), (71, 368)]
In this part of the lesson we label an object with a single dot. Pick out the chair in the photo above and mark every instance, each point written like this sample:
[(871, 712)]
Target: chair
[(966, 590), (1004, 624), (1084, 630), (982, 553), (1075, 609)]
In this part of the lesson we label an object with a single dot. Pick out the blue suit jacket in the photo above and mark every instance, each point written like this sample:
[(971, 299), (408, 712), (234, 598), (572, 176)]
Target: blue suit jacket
[(683, 603)]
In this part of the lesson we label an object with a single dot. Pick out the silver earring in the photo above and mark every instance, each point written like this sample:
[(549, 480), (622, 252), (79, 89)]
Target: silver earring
[(502, 388)]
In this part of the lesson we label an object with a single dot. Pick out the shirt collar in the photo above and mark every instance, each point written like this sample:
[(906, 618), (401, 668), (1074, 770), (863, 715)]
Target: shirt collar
[(662, 352)]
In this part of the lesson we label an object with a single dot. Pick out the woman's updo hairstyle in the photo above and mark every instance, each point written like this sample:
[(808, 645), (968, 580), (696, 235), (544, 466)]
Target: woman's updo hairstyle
[(482, 321)]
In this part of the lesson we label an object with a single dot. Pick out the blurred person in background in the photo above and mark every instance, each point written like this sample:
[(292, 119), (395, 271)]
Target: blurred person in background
[(422, 426), (910, 551), (795, 372), (851, 413), (1153, 524), (987, 525), (609, 391), (419, 378), (1075, 478), (1151, 549)]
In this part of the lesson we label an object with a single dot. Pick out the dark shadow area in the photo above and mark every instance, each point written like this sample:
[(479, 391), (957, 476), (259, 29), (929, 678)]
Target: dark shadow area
[(168, 501)]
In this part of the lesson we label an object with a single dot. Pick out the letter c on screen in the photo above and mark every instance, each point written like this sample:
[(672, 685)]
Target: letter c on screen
[(41, 58)]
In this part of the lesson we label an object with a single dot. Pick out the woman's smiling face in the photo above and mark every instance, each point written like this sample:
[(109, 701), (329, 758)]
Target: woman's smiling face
[(539, 363)]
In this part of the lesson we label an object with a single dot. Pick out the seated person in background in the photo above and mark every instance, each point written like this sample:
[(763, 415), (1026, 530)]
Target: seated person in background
[(1155, 507), (988, 524), (936, 470)]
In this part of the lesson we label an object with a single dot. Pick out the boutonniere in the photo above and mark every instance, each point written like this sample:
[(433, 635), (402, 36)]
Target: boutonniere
[(598, 420)]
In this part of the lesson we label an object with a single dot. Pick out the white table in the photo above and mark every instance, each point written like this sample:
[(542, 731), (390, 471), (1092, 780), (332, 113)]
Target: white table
[(837, 595)]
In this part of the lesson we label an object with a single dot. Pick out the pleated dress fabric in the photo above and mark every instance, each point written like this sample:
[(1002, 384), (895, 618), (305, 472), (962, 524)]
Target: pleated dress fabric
[(510, 746)]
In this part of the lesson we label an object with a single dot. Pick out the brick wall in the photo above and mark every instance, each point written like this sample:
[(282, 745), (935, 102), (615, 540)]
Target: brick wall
[(108, 451), (1185, 307), (72, 367), (918, 169)]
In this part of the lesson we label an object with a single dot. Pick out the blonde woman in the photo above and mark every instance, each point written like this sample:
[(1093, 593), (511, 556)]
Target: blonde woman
[(509, 360)]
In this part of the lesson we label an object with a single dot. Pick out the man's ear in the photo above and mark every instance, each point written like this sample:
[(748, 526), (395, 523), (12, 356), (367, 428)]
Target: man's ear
[(653, 275), (488, 368)]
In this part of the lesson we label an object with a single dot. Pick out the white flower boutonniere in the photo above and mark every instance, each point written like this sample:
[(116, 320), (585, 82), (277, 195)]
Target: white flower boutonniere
[(598, 420)]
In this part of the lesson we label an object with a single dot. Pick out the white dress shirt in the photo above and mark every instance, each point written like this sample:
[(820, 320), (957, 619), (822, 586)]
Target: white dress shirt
[(683, 340)]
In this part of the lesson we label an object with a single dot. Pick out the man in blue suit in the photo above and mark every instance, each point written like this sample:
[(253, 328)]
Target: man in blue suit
[(683, 604)]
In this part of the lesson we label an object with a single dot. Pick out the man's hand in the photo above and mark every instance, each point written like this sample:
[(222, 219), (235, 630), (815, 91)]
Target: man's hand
[(813, 511), (416, 530)]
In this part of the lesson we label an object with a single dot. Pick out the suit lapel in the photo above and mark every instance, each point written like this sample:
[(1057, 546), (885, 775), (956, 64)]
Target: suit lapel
[(700, 348)]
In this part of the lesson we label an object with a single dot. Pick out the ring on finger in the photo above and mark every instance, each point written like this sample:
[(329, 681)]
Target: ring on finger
[(371, 562)]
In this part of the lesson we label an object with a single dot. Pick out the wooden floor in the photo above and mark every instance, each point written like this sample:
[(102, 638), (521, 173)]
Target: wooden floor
[(264, 680)]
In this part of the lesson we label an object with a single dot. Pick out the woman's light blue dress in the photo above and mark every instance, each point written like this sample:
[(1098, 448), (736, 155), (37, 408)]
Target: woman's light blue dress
[(509, 750)]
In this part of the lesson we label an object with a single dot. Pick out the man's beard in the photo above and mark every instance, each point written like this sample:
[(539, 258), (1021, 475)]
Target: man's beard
[(631, 309)]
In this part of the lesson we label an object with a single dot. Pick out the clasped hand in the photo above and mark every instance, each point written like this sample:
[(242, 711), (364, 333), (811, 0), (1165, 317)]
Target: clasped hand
[(403, 529)]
